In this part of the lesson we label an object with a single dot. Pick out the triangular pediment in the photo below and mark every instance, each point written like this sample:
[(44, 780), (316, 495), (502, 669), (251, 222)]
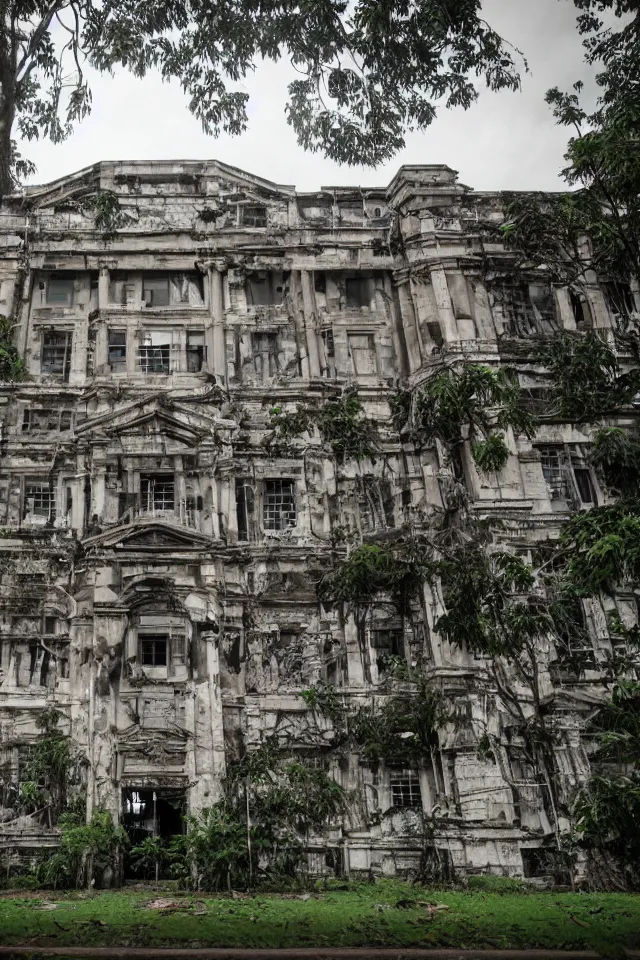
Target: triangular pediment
[(158, 416), (153, 535)]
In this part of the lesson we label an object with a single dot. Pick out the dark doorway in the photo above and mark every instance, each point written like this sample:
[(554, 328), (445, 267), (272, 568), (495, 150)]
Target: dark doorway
[(148, 813)]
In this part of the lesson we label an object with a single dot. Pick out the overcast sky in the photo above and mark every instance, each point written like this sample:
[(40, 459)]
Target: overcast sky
[(506, 141)]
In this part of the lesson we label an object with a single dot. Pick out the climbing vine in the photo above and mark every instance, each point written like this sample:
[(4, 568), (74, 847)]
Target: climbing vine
[(341, 423), (12, 368)]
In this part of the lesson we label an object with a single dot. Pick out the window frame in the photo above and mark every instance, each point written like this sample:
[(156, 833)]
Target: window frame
[(276, 518), (66, 280), (405, 785), (56, 358), (118, 365)]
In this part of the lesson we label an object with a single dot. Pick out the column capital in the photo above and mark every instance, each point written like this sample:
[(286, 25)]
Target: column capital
[(219, 264)]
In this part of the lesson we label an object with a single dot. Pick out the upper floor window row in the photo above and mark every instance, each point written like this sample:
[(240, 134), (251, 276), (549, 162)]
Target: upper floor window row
[(156, 289)]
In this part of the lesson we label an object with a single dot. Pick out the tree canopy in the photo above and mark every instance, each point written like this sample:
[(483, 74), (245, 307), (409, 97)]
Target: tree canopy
[(369, 71)]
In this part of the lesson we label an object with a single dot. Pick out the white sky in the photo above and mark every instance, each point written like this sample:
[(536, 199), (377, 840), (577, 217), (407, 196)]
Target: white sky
[(506, 141)]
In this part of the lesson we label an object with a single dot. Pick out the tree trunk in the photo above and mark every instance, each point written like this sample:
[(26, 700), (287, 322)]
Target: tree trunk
[(7, 117)]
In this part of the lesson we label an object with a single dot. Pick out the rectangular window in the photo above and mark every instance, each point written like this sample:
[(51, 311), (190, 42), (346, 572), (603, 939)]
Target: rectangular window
[(49, 625), (279, 512), (265, 354), (155, 291), (38, 419), (153, 651), (244, 508), (358, 291), (60, 289), (362, 353), (157, 493), (39, 500), (196, 352), (118, 351), (405, 791), (387, 642), (56, 354), (553, 472), (375, 502), (253, 216), (154, 353), (329, 347), (264, 288), (619, 298), (584, 484), (530, 309)]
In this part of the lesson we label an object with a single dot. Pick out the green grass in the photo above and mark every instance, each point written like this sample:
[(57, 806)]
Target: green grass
[(381, 914)]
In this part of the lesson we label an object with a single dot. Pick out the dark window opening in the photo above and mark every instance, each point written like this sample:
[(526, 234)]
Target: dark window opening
[(264, 288), (244, 508), (435, 332), (279, 510), (157, 493), (60, 289), (619, 298), (320, 283), (56, 354), (196, 352), (151, 813), (329, 346), (36, 419), (49, 625), (357, 291), (387, 642), (375, 502), (405, 791), (118, 351), (581, 312), (154, 651), (584, 484), (155, 291), (253, 216)]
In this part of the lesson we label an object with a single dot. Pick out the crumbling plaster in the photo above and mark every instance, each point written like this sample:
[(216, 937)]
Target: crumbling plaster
[(354, 288)]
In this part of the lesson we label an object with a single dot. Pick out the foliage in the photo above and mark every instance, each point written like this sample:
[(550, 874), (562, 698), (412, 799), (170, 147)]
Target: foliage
[(108, 215), (366, 75), (468, 401), (585, 375), (341, 422), (617, 455), (12, 368), (148, 856), (100, 840), (51, 780), (401, 730), (603, 547), (373, 569)]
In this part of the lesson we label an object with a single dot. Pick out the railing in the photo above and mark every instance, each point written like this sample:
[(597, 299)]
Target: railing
[(180, 514)]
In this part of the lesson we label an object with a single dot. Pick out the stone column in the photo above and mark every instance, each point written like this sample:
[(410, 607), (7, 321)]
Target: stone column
[(410, 328), (78, 371), (310, 322), (443, 302)]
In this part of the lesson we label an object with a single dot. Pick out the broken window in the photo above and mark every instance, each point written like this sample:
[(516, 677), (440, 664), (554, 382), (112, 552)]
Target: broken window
[(552, 470), (581, 310), (405, 791), (253, 215), (363, 354), (265, 354), (279, 509), (49, 625), (56, 354), (320, 282), (60, 289), (157, 493), (154, 353), (39, 500), (358, 291), (567, 474), (196, 351), (37, 419), (619, 299), (529, 308), (327, 341), (122, 289), (387, 642), (117, 351), (153, 650), (264, 288), (155, 291), (244, 508)]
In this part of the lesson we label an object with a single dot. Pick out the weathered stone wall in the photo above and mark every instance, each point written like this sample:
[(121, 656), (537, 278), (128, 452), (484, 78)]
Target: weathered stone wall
[(147, 591)]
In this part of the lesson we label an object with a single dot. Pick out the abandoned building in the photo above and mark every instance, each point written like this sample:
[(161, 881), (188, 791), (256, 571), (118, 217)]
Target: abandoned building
[(159, 568)]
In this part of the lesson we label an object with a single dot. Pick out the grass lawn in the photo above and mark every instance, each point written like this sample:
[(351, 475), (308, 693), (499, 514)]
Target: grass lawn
[(387, 913)]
